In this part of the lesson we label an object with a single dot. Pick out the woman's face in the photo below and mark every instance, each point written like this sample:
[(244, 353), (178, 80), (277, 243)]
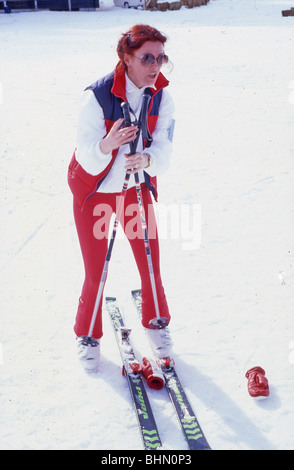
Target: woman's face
[(144, 75)]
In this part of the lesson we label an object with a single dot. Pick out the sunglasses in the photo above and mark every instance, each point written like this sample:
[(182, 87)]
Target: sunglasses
[(149, 59)]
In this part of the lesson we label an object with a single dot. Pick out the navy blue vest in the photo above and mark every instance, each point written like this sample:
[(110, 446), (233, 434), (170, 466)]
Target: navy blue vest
[(112, 111)]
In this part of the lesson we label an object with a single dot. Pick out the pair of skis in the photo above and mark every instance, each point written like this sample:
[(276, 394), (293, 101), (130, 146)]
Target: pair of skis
[(148, 429)]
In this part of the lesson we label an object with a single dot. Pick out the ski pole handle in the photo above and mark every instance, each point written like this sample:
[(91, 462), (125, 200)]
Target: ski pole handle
[(146, 136), (126, 112), (127, 123)]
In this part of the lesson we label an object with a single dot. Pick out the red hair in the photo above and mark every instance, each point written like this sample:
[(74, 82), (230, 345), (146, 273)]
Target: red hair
[(134, 39)]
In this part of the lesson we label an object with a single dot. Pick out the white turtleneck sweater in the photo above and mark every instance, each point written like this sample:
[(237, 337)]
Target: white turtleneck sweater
[(91, 130)]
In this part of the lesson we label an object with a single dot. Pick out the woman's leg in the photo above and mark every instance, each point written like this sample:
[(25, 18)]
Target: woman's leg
[(133, 231), (92, 227)]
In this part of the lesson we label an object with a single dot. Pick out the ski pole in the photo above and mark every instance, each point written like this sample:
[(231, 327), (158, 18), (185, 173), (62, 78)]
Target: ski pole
[(108, 256), (133, 147), (158, 322)]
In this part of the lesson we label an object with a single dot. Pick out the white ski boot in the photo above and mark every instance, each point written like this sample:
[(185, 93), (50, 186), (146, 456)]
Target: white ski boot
[(160, 341), (89, 353)]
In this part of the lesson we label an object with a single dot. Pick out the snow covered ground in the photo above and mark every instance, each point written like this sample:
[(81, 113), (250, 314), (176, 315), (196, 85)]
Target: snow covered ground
[(231, 294)]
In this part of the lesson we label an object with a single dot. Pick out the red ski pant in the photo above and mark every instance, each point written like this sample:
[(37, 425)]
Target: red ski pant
[(92, 225)]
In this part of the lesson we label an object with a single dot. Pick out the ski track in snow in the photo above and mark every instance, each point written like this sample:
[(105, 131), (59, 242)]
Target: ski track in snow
[(231, 297)]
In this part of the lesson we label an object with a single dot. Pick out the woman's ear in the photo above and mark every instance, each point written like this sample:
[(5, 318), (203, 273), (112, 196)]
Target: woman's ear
[(127, 59)]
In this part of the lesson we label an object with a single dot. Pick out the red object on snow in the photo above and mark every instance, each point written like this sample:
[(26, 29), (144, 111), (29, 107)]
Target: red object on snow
[(257, 383), (150, 370), (152, 373)]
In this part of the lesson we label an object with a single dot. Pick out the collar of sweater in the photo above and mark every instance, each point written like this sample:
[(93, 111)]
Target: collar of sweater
[(122, 81)]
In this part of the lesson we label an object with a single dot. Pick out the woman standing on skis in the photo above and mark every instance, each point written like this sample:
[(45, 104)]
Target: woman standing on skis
[(97, 172)]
